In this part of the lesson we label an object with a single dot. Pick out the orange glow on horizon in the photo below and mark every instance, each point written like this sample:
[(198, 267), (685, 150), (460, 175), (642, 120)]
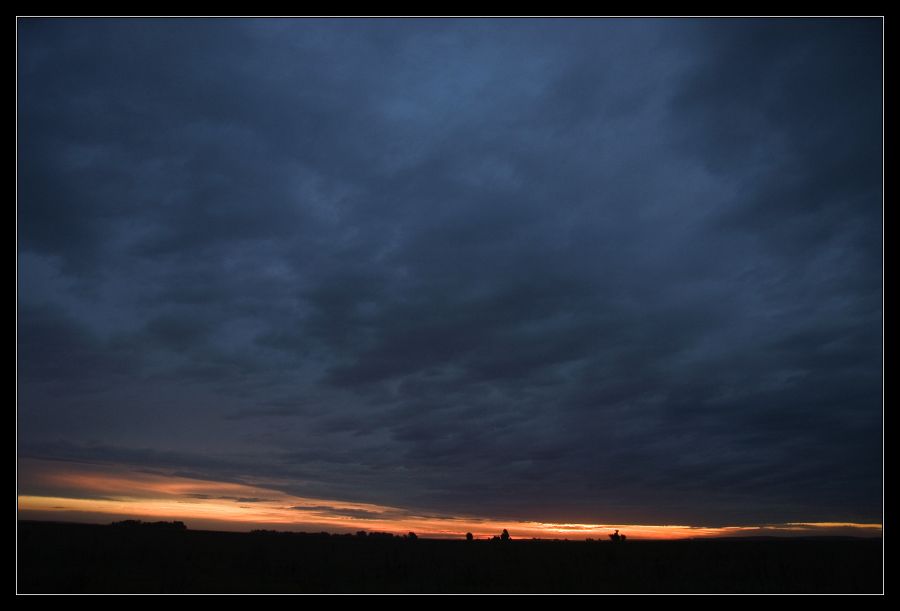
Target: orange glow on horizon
[(93, 494)]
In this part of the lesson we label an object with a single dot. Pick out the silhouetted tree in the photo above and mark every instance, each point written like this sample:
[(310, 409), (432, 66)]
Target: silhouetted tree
[(504, 536), (412, 536), (469, 537), (616, 537)]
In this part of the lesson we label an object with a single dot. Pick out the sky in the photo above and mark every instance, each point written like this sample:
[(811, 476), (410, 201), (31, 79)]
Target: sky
[(447, 273)]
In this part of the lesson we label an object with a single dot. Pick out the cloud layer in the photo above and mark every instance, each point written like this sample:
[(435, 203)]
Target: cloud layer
[(596, 270)]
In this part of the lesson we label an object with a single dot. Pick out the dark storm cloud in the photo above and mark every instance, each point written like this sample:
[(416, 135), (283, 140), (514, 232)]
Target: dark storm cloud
[(557, 270)]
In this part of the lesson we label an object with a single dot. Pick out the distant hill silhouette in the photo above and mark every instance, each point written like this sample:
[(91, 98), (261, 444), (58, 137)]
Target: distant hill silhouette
[(143, 557)]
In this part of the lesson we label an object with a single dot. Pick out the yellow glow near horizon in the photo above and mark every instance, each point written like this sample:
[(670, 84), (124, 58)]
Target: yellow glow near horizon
[(97, 494)]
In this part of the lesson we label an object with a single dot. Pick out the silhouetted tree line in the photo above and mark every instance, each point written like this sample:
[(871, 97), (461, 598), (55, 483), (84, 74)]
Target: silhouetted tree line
[(176, 525), (361, 534)]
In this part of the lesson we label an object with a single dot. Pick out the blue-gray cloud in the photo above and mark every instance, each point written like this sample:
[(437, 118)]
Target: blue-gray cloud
[(597, 270)]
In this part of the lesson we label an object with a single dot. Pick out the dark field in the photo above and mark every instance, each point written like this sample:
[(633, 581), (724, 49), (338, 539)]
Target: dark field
[(55, 557)]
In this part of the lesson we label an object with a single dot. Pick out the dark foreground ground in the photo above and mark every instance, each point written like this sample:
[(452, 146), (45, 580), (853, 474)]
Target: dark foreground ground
[(55, 557)]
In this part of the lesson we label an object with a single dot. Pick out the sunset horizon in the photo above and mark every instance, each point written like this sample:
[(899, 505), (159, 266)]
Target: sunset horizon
[(115, 494), (616, 279)]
